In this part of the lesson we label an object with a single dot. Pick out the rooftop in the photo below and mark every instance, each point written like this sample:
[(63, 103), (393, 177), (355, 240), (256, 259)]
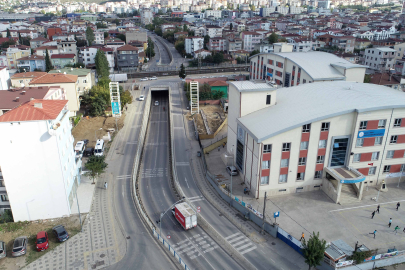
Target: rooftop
[(33, 74), (312, 102), (50, 78), (246, 86), (8, 97), (72, 71), (58, 56)]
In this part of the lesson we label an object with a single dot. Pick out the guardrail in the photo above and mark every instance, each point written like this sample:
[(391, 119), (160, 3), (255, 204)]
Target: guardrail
[(135, 190)]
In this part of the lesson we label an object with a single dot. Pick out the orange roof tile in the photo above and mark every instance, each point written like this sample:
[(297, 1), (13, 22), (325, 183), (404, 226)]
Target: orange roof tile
[(55, 78), (34, 74), (31, 112)]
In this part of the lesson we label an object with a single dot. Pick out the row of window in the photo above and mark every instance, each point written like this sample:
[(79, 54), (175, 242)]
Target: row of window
[(375, 155), (284, 177), (381, 123), (387, 168), (377, 140)]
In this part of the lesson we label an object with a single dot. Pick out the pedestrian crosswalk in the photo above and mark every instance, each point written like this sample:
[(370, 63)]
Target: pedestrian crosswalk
[(157, 172), (195, 246), (240, 242)]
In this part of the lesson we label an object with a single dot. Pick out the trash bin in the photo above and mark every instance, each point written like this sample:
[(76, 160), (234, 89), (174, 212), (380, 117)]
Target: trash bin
[(198, 154)]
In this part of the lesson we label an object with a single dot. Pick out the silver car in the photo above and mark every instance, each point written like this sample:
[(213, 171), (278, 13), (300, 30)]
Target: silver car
[(2, 249), (20, 246), (231, 170)]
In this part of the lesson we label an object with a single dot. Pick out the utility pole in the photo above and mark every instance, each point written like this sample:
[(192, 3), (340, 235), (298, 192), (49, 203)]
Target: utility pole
[(264, 211)]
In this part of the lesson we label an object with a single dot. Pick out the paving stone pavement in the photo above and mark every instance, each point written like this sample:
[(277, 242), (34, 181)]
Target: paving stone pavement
[(100, 244)]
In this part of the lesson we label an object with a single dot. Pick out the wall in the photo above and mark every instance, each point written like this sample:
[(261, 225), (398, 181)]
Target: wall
[(329, 189), (355, 74)]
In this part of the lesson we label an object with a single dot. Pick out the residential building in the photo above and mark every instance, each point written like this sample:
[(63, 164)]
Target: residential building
[(381, 59), (85, 80), (234, 44), (213, 14), (37, 42), (345, 43), (356, 133), (136, 36), (5, 81), (250, 39), (31, 63), (201, 53), (293, 68), (127, 58), (265, 12), (61, 60), (16, 52), (146, 16), (217, 44), (41, 51), (24, 78), (219, 86), (213, 31), (400, 49), (98, 37), (361, 43), (390, 80), (193, 44), (51, 156)]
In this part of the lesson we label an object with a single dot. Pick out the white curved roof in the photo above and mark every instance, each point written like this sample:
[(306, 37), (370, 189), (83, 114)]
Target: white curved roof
[(313, 102)]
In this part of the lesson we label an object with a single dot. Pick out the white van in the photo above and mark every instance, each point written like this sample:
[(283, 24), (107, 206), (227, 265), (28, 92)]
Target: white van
[(99, 149), (79, 148)]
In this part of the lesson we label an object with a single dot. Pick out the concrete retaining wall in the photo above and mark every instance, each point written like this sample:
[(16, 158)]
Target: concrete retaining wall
[(215, 145), (212, 136), (329, 189)]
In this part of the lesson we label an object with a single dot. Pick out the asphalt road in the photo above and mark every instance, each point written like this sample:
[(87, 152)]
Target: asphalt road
[(194, 246), (142, 251), (177, 58)]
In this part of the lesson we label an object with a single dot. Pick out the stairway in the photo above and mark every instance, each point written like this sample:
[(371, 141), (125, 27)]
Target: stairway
[(348, 194)]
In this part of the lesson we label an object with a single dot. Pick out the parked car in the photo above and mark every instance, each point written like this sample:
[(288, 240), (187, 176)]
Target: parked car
[(60, 233), (156, 103), (141, 98), (231, 170), (144, 79), (2, 249), (86, 142), (153, 78), (183, 80), (42, 241), (20, 246), (88, 152)]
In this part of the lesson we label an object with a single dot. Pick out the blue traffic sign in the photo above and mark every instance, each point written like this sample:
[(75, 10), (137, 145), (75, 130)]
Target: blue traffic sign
[(115, 108), (276, 214)]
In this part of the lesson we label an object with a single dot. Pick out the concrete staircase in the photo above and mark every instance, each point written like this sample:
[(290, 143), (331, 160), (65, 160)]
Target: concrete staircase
[(348, 194)]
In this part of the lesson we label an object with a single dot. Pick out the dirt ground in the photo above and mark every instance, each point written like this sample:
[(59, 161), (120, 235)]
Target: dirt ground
[(214, 120), (89, 128), (30, 229)]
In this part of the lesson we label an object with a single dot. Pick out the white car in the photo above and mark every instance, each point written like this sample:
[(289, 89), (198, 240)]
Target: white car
[(144, 79), (141, 98), (156, 103), (153, 78)]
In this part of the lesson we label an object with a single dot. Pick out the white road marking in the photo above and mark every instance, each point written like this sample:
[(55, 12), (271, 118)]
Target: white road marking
[(365, 206), (134, 142), (240, 242), (185, 179), (196, 200), (182, 163), (247, 250), (123, 176), (231, 236), (177, 127), (236, 239)]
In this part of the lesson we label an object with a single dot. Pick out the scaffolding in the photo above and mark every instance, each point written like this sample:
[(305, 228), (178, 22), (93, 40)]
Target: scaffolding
[(115, 99), (194, 99)]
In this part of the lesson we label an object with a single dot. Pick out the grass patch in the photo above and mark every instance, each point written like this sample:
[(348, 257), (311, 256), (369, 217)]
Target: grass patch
[(13, 226)]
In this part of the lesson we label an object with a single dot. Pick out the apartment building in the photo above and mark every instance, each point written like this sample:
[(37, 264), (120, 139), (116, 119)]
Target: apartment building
[(85, 80), (63, 60), (5, 81), (31, 63), (250, 39), (146, 16), (213, 31), (24, 78), (193, 44), (381, 59), (37, 42), (217, 44), (15, 52), (356, 133), (127, 58), (345, 43)]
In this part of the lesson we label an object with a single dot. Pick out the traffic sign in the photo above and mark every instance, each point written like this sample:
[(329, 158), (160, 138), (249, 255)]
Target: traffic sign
[(276, 214), (198, 209), (168, 237)]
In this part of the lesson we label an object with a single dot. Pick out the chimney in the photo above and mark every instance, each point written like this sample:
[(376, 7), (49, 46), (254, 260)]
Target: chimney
[(17, 99), (38, 105), (31, 99), (23, 92)]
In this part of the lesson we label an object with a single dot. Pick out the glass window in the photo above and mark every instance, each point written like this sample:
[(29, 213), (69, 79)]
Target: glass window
[(320, 159), (397, 122), (300, 176), (284, 163), (304, 146), (268, 99), (318, 174), (4, 198), (390, 154), (302, 161), (325, 127), (286, 146), (359, 142), (267, 148), (339, 152), (356, 157), (381, 123), (378, 140), (322, 144), (387, 168), (371, 170), (264, 180), (306, 128), (375, 155), (266, 164), (363, 125), (283, 178), (394, 139)]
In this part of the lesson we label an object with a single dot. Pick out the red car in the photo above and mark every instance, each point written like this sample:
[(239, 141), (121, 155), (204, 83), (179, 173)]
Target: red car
[(42, 241)]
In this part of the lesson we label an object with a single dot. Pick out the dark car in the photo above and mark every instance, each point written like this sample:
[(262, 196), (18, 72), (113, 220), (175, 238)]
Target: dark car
[(86, 142), (42, 241), (88, 152), (19, 246), (60, 233)]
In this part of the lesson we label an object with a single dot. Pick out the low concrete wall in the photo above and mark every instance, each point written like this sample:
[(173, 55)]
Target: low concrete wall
[(329, 189), (215, 145), (212, 136)]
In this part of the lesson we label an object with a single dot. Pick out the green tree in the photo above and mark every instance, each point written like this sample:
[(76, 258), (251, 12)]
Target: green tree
[(8, 33), (313, 250), (273, 38), (218, 58), (254, 52), (101, 64), (126, 98), (89, 35), (206, 41), (105, 34), (48, 63), (179, 45), (122, 37), (367, 78), (182, 72), (185, 28), (95, 166)]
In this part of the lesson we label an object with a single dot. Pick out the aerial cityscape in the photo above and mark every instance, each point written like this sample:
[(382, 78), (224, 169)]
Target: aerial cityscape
[(185, 134)]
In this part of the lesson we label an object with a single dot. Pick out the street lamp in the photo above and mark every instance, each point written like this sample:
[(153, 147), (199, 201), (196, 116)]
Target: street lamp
[(231, 155), (162, 214), (95, 132)]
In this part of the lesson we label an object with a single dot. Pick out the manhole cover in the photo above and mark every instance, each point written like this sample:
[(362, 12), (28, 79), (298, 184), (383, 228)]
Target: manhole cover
[(102, 255), (128, 237), (273, 243)]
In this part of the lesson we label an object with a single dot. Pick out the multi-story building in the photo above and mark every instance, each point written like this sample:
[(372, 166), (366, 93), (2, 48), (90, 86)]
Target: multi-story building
[(127, 58), (345, 43), (146, 16), (85, 80), (31, 63), (57, 171), (5, 81), (213, 31), (15, 52), (136, 36), (193, 44), (234, 44), (356, 133), (98, 37), (37, 42), (24, 78), (293, 68), (217, 44), (213, 14), (266, 11), (381, 59), (63, 60), (250, 39)]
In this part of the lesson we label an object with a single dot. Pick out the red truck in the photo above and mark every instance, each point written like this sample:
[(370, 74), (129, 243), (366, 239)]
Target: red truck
[(185, 215)]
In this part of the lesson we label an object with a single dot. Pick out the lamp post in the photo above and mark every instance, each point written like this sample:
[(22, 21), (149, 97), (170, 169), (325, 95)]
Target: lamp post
[(162, 214), (231, 155), (95, 132)]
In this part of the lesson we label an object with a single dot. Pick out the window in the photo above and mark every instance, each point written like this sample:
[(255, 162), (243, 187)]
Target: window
[(304, 146), (381, 123), (322, 144), (371, 170), (4, 198), (2, 183), (302, 161), (397, 122), (363, 125), (306, 128), (390, 154), (359, 142), (375, 155), (266, 164), (21, 81), (264, 180), (304, 81), (293, 68), (268, 99), (300, 176), (356, 157), (394, 139), (286, 147), (84, 81), (378, 140), (325, 127), (320, 159), (283, 178), (284, 163), (318, 174), (387, 168), (267, 148)]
